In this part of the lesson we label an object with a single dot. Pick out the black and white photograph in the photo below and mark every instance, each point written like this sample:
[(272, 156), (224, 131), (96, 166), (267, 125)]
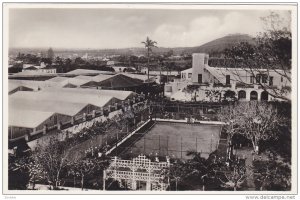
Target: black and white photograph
[(150, 98)]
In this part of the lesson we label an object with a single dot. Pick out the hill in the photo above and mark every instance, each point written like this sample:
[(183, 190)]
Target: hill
[(217, 45), (220, 44)]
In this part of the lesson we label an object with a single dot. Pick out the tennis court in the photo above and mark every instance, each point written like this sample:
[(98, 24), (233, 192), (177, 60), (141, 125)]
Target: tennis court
[(173, 139)]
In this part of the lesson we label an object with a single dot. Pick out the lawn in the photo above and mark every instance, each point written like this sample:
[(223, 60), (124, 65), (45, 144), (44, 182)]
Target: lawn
[(174, 139)]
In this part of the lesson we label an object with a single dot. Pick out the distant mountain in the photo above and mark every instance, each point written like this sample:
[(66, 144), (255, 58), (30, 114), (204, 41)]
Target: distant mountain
[(217, 45), (220, 44)]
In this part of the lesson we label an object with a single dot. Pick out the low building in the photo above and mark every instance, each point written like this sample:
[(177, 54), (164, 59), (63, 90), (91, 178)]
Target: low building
[(120, 69), (70, 96), (204, 78), (42, 68), (72, 111), (25, 124)]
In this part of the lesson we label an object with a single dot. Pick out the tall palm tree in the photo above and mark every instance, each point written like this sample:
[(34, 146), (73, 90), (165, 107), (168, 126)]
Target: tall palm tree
[(149, 44)]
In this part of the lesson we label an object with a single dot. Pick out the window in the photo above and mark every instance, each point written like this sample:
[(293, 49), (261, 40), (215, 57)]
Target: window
[(258, 77), (227, 79), (264, 78), (205, 60), (271, 80), (251, 79), (190, 75), (199, 78)]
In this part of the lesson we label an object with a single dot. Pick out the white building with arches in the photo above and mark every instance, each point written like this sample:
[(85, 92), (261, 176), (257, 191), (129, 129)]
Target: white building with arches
[(247, 84)]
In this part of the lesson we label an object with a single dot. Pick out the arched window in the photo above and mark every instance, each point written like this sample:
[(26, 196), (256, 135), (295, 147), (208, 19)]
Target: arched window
[(264, 96), (253, 95), (242, 94)]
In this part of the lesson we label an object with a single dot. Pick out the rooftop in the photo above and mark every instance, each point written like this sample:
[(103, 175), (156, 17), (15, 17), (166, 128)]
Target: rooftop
[(65, 108), (88, 71), (119, 94), (70, 97), (27, 119), (58, 79), (120, 81)]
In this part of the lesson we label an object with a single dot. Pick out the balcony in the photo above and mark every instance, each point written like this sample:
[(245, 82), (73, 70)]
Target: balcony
[(222, 85), (244, 85), (267, 87)]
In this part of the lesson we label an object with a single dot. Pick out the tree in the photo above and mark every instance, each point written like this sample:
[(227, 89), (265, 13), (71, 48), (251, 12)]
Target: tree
[(18, 175), (229, 114), (213, 95), (50, 53), (257, 121), (169, 53), (233, 175), (149, 44), (176, 172), (58, 61), (272, 174), (270, 54), (201, 170), (52, 159), (85, 167)]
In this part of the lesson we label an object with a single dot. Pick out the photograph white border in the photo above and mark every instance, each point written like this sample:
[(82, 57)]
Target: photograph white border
[(232, 6)]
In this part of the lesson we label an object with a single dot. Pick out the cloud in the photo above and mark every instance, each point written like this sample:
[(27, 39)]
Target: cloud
[(127, 28), (206, 28)]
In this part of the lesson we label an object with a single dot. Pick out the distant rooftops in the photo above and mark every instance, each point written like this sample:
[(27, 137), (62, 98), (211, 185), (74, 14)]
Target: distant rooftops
[(88, 71)]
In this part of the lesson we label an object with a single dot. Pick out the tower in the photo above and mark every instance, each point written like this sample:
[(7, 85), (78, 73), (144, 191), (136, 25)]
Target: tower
[(199, 62)]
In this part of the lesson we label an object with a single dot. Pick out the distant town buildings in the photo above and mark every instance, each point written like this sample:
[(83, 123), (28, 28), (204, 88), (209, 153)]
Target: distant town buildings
[(42, 68)]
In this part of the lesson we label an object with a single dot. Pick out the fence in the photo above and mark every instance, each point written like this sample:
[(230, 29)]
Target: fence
[(171, 139), (200, 111), (161, 146), (114, 134)]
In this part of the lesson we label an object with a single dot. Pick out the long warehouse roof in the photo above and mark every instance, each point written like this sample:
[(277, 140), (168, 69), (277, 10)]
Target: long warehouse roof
[(65, 108), (75, 97), (26, 118)]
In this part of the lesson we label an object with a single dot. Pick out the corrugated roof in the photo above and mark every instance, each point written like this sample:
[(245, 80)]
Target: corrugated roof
[(12, 86), (88, 71), (119, 94), (59, 95), (102, 77), (58, 79), (32, 84), (31, 73), (75, 81), (26, 118), (120, 81), (84, 77), (140, 76), (65, 108)]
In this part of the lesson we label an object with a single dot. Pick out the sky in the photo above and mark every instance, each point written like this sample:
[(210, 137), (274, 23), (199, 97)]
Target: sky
[(123, 28)]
